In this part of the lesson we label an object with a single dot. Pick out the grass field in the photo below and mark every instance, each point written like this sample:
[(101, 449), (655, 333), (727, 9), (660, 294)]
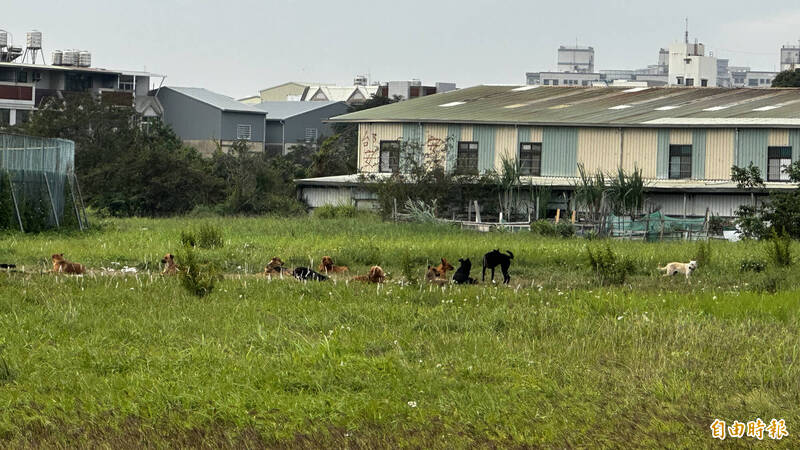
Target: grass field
[(553, 360)]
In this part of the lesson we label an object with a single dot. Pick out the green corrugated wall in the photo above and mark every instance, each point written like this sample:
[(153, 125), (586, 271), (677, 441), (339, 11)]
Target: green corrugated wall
[(699, 154), (794, 142), (484, 136), (412, 134), (752, 147), (662, 158), (559, 152), (453, 136)]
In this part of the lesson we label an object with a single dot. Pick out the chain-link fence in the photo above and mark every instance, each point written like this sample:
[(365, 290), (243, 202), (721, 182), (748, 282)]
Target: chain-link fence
[(37, 175)]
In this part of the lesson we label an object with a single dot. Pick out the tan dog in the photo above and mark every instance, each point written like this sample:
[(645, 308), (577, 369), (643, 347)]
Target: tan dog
[(170, 268), (432, 276), (275, 267), (326, 266), (61, 265), (442, 268), (375, 275), (676, 268)]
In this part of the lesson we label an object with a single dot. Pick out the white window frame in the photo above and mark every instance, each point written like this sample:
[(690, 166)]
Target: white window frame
[(312, 134)]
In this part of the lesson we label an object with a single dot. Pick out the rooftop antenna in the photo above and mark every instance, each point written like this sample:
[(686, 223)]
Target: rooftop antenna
[(686, 33)]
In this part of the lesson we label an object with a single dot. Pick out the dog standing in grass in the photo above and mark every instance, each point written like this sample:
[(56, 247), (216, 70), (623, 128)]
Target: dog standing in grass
[(493, 259), (61, 265), (675, 268)]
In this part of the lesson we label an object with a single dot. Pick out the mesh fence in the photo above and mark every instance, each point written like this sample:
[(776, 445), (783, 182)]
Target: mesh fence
[(41, 173)]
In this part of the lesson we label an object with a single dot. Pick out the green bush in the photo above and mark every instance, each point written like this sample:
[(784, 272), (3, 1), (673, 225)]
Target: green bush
[(552, 229), (780, 250), (188, 238), (7, 374), (199, 278), (752, 265), (336, 212), (609, 267), (704, 253), (209, 236)]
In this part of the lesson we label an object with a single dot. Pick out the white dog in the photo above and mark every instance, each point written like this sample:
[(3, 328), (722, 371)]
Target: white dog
[(676, 267)]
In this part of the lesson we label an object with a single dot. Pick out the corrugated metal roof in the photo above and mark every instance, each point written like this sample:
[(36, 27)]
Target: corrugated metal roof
[(285, 110), (595, 106), (219, 101)]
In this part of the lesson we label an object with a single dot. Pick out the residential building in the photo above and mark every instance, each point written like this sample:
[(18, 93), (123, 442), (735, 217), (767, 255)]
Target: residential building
[(683, 140), (352, 95), (207, 120), (575, 59), (753, 79), (689, 67), (296, 123)]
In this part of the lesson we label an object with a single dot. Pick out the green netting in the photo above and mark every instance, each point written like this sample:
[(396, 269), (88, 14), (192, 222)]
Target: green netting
[(655, 224), (41, 171)]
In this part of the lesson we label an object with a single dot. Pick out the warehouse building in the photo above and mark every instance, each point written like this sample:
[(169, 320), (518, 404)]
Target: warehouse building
[(290, 124), (684, 140)]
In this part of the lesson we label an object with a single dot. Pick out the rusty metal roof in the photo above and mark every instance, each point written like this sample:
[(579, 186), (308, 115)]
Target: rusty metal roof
[(597, 106)]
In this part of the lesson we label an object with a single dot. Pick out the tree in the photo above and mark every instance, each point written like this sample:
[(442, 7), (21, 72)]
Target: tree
[(748, 178), (787, 78)]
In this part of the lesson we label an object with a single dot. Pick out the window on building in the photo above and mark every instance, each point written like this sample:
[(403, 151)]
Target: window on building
[(555, 82), (467, 158), (389, 157), (126, 83), (752, 82), (585, 83), (777, 159), (22, 77), (530, 158), (680, 161), (23, 115), (679, 80), (244, 132), (37, 76), (312, 134), (547, 82), (704, 82), (690, 82)]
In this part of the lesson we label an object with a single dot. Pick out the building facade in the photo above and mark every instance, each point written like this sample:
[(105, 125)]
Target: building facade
[(684, 141), (690, 67), (289, 124), (207, 120), (575, 59)]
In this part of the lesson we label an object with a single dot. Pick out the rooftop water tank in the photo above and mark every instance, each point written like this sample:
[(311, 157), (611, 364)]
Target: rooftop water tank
[(34, 40), (84, 59), (58, 58), (70, 58)]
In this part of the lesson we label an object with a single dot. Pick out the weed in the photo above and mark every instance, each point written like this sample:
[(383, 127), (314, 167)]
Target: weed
[(188, 238), (209, 236), (780, 250), (752, 265), (704, 253), (335, 212), (609, 267), (199, 278)]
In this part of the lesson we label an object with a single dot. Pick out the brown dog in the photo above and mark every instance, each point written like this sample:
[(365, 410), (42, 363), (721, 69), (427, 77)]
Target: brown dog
[(61, 265), (442, 268), (375, 275), (432, 276), (170, 268), (326, 266), (275, 267)]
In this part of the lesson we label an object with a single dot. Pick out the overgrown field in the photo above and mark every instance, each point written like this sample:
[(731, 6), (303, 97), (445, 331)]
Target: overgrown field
[(556, 359)]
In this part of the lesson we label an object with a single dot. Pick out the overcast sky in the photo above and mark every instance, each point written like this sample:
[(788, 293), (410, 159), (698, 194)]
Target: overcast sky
[(236, 47)]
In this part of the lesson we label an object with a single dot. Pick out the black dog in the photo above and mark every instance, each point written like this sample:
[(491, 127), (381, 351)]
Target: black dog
[(462, 274), (495, 258), (8, 266), (305, 274)]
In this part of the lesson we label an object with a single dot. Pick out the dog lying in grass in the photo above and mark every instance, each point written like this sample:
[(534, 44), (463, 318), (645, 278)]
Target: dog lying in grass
[(306, 274), (674, 268), (443, 267), (61, 265), (462, 274), (493, 259), (275, 267), (7, 266), (432, 276), (170, 268), (375, 275), (326, 266)]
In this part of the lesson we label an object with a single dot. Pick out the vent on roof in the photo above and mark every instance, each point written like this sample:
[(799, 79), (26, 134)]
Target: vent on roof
[(767, 108), (636, 89), (717, 108), (517, 105), (524, 88), (620, 107), (667, 108), (447, 105)]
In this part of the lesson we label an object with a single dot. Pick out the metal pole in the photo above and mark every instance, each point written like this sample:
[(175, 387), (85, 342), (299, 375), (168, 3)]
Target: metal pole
[(75, 203), (80, 197), (50, 196), (14, 198)]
